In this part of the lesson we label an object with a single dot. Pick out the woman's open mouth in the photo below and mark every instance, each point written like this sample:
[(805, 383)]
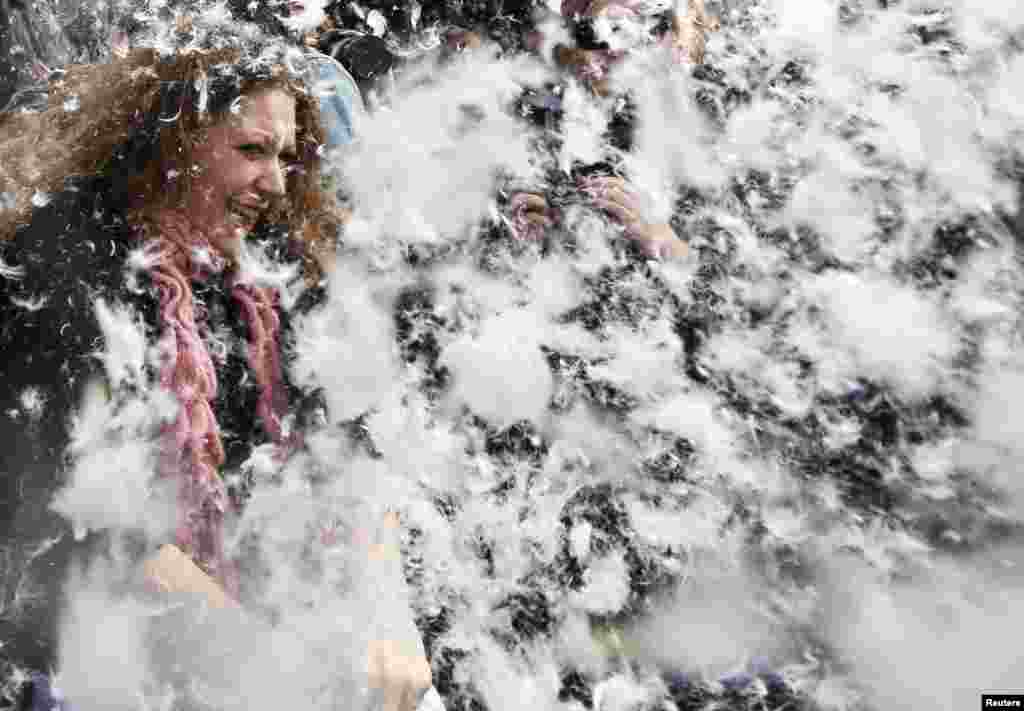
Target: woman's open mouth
[(244, 216)]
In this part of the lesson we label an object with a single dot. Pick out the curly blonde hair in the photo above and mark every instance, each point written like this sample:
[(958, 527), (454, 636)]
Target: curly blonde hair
[(105, 119)]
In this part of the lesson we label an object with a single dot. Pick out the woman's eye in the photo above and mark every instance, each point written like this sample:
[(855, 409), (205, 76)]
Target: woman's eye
[(251, 149)]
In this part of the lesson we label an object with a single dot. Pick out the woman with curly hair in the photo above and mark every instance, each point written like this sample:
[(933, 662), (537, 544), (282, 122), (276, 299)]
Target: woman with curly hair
[(143, 185)]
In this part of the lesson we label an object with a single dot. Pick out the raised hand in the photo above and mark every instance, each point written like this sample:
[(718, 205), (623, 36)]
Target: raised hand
[(531, 217), (688, 36), (171, 571), (398, 673), (614, 197)]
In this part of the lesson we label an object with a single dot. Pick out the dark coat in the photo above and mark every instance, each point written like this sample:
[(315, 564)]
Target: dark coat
[(73, 252), (27, 36)]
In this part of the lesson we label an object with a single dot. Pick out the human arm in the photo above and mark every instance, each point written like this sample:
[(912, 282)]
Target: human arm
[(397, 666)]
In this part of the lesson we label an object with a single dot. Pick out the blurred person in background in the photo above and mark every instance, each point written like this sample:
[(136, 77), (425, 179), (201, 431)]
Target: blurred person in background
[(595, 26)]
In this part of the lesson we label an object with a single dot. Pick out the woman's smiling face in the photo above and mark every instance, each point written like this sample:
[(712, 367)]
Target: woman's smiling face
[(242, 166)]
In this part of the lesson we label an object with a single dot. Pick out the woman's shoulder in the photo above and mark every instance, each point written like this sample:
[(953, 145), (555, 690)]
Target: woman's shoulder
[(72, 238), (53, 269)]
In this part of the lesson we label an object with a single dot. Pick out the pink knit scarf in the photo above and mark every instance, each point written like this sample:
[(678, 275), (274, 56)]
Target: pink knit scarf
[(193, 450)]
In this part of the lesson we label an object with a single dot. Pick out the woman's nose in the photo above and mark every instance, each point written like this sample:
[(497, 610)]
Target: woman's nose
[(272, 180)]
